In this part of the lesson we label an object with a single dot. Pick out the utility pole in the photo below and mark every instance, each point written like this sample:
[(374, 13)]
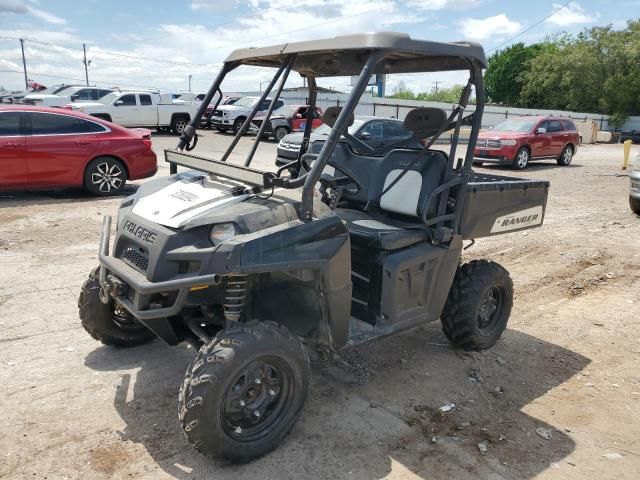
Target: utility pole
[(86, 69), (190, 82), (24, 65), (436, 87)]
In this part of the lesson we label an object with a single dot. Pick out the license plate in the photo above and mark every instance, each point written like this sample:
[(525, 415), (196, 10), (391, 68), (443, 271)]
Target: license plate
[(483, 152)]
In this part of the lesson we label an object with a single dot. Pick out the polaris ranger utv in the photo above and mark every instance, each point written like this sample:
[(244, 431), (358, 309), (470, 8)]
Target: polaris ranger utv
[(247, 265)]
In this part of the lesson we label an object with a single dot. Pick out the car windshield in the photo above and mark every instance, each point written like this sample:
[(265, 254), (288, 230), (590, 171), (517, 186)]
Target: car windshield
[(326, 129), (108, 98), (247, 101), (515, 126)]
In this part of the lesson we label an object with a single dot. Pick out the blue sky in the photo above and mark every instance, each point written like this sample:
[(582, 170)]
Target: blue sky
[(193, 37)]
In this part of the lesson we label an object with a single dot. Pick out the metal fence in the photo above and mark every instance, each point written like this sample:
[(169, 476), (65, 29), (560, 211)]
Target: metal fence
[(493, 114)]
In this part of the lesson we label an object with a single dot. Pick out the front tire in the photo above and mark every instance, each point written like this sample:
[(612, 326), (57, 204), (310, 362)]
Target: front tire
[(280, 133), (522, 159), (104, 322), (244, 391), (105, 176), (566, 156), (634, 203), (237, 125), (478, 306)]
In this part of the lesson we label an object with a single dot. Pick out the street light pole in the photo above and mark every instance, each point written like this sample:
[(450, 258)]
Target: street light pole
[(24, 65), (86, 69)]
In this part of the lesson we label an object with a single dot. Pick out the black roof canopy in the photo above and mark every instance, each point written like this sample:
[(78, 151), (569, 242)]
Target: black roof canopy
[(345, 55)]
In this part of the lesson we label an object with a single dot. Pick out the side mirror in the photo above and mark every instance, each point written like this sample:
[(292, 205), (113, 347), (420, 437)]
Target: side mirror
[(117, 103), (74, 97), (541, 130), (298, 115), (364, 135)]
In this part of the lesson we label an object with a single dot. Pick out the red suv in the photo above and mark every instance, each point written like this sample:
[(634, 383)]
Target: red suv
[(517, 141)]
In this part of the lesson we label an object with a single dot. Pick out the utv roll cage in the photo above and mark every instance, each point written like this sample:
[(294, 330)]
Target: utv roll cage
[(362, 55)]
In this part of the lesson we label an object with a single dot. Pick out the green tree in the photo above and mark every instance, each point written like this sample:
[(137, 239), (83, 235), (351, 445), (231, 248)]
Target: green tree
[(447, 95), (507, 68), (402, 91)]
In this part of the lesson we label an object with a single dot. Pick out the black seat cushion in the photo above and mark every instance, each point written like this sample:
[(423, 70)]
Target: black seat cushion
[(373, 233)]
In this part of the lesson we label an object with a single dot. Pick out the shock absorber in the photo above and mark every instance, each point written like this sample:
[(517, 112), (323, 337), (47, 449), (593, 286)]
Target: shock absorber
[(235, 294)]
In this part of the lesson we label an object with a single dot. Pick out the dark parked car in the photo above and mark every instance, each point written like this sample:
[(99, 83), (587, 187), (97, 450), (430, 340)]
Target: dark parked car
[(285, 120), (633, 135), (42, 147), (517, 141), (376, 132)]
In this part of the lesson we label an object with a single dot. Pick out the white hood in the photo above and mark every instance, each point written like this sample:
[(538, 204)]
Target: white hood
[(178, 203)]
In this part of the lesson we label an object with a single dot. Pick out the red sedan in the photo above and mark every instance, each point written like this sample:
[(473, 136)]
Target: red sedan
[(49, 147)]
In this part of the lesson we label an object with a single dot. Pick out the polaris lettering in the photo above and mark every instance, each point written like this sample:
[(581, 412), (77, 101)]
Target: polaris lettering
[(140, 232)]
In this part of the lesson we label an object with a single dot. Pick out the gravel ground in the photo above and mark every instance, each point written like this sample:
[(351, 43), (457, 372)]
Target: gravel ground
[(557, 397)]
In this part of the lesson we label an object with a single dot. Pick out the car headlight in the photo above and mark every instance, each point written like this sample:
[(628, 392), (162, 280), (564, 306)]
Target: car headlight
[(508, 142), (221, 233)]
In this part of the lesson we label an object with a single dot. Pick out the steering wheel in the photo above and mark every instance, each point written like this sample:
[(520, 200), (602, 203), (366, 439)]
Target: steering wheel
[(348, 178)]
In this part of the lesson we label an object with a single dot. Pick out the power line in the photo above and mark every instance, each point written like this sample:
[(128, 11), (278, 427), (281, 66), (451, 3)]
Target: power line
[(530, 27), (81, 80)]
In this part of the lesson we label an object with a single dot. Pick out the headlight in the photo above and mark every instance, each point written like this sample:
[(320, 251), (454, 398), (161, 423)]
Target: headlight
[(508, 142), (221, 233)]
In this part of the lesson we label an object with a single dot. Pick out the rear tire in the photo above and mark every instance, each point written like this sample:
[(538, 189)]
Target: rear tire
[(478, 306), (178, 124), (105, 176), (566, 156), (256, 367), (522, 159), (104, 323), (634, 203)]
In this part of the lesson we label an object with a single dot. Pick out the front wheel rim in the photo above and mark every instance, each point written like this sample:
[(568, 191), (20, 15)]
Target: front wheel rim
[(490, 310), (257, 399), (107, 178), (280, 134), (523, 159), (568, 155)]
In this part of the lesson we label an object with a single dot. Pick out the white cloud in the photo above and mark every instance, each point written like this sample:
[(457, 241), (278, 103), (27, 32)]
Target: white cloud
[(442, 4), (21, 8), (481, 29), (571, 14)]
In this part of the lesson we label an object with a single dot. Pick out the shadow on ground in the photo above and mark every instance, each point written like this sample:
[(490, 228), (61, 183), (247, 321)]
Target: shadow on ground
[(58, 196), (372, 410)]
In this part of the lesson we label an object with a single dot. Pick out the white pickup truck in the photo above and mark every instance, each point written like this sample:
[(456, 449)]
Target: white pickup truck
[(140, 109)]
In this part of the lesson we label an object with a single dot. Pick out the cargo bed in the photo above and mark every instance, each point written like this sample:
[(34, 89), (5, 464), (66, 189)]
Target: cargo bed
[(495, 204)]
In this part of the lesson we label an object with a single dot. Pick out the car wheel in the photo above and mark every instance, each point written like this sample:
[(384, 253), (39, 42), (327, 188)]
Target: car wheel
[(237, 125), (244, 391), (478, 306), (178, 124), (634, 203), (566, 156), (105, 176), (522, 159), (280, 133)]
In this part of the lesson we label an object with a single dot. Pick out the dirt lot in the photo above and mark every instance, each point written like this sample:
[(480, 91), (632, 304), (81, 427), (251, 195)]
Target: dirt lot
[(566, 369)]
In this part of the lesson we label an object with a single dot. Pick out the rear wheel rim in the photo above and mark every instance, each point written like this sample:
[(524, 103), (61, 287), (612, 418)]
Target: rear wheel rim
[(567, 156), (490, 310), (523, 158), (107, 177), (257, 399), (180, 125), (280, 134)]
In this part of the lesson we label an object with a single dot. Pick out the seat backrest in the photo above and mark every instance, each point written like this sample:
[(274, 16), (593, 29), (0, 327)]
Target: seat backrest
[(425, 122), (331, 114), (407, 195)]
